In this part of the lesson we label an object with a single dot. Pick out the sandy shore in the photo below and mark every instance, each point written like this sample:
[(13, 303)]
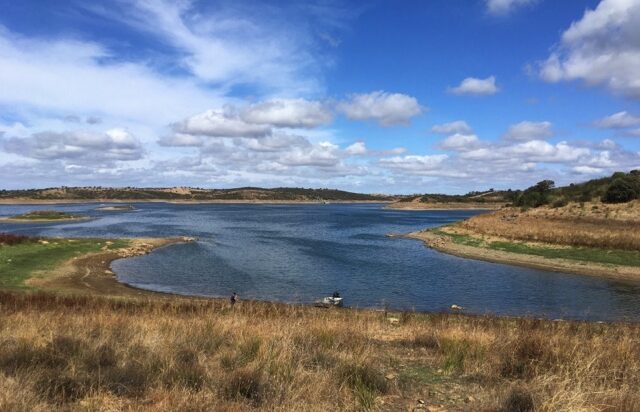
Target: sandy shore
[(91, 273), (444, 206), (443, 244)]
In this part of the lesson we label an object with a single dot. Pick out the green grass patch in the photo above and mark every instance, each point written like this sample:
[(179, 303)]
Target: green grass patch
[(461, 239), (46, 215), (612, 257), (581, 254), (19, 262)]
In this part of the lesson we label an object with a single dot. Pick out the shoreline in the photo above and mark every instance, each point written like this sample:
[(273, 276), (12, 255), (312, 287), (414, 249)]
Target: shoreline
[(441, 244), (415, 206), (91, 273), (20, 201)]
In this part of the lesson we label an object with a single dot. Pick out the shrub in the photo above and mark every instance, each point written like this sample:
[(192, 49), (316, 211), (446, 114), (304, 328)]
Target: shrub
[(621, 191), (518, 400)]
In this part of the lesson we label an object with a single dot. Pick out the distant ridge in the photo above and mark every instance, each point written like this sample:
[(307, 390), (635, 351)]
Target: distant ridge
[(246, 194)]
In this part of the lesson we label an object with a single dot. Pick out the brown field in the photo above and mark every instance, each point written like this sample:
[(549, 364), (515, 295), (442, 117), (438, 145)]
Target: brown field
[(588, 224), (95, 353)]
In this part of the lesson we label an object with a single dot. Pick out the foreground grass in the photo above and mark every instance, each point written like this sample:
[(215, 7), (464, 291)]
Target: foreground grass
[(583, 254), (93, 353), (19, 262)]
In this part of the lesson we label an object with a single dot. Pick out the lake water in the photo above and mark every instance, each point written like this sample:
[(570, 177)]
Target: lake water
[(298, 253)]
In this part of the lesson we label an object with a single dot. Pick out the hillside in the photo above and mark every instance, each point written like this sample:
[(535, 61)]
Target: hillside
[(490, 199), (245, 194), (589, 228)]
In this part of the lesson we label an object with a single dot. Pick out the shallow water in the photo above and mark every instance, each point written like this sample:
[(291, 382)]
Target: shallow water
[(298, 253)]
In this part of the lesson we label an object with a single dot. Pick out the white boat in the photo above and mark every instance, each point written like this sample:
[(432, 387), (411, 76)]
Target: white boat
[(329, 302)]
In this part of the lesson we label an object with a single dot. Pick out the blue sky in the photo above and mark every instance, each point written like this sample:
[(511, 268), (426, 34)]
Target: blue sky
[(392, 97)]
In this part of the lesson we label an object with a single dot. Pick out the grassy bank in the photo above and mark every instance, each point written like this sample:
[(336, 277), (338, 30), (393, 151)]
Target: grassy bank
[(94, 353), (586, 238), (579, 254), (26, 259)]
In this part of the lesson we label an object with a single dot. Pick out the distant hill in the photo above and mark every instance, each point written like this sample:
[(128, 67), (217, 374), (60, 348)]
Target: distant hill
[(490, 199), (620, 187), (248, 194)]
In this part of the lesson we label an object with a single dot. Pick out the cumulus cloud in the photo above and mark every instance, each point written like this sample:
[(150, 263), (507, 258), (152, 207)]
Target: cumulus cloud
[(460, 142), (221, 123), (356, 149), (426, 165), (80, 146), (288, 113), (473, 86), (458, 126), (388, 109), (503, 7), (620, 120), (526, 130), (602, 48)]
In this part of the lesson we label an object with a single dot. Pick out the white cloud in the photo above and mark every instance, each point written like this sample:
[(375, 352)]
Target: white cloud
[(460, 142), (458, 126), (602, 48), (526, 130), (79, 146), (620, 120), (388, 109), (587, 170), (229, 45), (221, 123), (473, 86), (356, 149), (288, 113), (414, 164), (503, 7), (77, 77)]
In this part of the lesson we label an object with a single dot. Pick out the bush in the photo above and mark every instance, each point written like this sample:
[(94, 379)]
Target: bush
[(622, 190)]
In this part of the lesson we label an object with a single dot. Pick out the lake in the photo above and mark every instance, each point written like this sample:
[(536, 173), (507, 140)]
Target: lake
[(298, 253)]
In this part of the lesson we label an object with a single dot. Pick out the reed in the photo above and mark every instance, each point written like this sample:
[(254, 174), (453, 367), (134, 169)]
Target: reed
[(97, 353)]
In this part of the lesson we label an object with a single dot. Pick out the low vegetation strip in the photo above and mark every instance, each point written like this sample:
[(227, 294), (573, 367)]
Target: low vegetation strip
[(96, 353), (46, 215), (583, 254), (21, 260)]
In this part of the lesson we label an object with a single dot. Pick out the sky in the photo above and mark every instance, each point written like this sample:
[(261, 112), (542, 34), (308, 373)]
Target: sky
[(395, 97)]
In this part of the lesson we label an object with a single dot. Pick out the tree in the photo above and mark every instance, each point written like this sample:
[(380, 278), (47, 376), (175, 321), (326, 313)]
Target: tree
[(621, 191)]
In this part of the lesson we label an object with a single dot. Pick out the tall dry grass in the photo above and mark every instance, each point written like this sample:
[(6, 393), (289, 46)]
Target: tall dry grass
[(89, 353), (596, 227)]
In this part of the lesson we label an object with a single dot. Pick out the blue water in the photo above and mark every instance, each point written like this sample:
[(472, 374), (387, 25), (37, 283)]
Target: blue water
[(298, 253)]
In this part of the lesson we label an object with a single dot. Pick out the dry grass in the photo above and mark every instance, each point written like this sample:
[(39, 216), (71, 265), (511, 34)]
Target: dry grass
[(585, 225), (91, 353)]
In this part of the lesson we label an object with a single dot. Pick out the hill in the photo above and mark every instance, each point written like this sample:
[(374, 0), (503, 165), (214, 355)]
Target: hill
[(588, 228), (490, 199), (188, 194)]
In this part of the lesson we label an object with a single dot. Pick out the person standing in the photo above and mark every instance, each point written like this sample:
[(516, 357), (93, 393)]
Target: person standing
[(233, 299)]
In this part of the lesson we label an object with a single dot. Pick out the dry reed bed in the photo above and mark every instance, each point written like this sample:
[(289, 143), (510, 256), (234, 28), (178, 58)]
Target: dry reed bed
[(550, 226), (89, 353)]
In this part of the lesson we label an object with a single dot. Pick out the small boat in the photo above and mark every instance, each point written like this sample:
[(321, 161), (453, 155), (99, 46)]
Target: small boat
[(329, 302)]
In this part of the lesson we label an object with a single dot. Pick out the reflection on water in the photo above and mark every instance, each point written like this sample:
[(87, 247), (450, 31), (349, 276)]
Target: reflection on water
[(298, 253)]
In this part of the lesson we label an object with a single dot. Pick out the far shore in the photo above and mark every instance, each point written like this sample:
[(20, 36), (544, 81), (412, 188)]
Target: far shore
[(409, 206), (616, 272), (21, 201)]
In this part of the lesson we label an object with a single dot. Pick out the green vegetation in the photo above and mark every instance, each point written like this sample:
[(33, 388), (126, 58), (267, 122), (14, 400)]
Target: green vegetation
[(20, 261), (46, 215), (619, 188), (583, 254), (488, 196)]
